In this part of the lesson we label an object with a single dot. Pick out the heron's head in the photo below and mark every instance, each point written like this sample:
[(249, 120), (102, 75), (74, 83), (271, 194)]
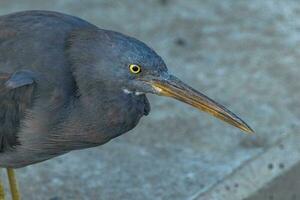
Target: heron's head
[(120, 63)]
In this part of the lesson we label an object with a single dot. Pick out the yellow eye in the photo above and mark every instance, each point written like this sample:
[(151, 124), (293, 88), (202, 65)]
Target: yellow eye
[(135, 68)]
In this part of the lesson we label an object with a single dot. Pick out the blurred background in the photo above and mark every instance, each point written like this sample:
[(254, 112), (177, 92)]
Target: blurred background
[(243, 54)]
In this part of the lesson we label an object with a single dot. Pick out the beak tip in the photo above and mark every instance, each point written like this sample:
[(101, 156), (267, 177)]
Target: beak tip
[(248, 130)]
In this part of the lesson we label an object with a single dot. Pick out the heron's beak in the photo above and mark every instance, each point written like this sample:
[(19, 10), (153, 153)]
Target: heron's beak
[(175, 88)]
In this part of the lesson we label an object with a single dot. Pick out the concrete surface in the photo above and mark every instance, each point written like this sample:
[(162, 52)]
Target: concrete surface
[(284, 187), (260, 172), (241, 53)]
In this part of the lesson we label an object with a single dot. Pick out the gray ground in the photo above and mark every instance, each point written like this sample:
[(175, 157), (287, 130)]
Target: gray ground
[(242, 53), (282, 188)]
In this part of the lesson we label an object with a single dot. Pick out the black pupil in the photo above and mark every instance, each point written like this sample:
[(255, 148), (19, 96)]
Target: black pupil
[(135, 68)]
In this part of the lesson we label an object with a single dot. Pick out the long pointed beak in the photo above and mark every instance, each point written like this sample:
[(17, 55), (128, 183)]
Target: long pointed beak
[(175, 88)]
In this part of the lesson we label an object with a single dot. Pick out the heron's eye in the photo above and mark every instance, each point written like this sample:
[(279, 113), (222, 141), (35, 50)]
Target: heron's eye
[(135, 68)]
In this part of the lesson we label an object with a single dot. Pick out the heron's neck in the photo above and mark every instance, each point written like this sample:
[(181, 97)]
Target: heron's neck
[(99, 118)]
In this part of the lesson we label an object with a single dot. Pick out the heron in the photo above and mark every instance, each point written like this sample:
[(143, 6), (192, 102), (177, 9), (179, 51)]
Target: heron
[(66, 84)]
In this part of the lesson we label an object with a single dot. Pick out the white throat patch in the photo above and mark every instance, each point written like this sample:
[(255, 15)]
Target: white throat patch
[(126, 91)]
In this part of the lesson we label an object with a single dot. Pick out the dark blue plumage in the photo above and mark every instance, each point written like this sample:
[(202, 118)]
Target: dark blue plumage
[(64, 52), (66, 84)]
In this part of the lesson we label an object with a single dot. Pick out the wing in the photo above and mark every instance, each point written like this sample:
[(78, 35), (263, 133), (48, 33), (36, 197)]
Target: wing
[(16, 95)]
